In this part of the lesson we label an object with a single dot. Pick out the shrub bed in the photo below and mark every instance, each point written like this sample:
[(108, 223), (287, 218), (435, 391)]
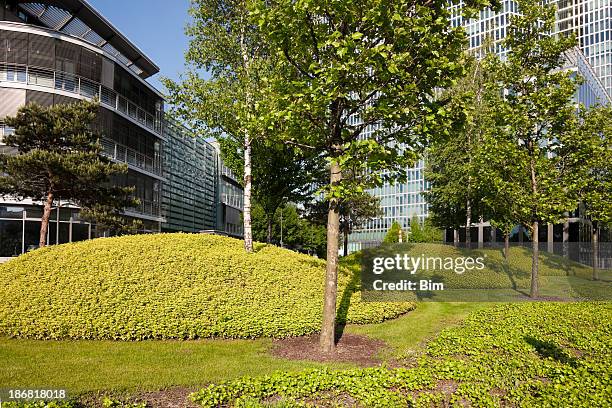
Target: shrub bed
[(163, 286), (527, 355)]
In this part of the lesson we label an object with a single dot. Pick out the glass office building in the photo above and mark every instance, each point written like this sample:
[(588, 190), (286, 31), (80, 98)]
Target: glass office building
[(62, 51), (199, 193), (592, 59)]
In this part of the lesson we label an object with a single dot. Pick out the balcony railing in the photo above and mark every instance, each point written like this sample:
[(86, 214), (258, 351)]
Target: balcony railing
[(147, 208), (232, 200), (77, 85), (128, 155)]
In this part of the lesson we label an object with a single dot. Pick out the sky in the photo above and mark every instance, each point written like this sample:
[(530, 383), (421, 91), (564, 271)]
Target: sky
[(156, 27)]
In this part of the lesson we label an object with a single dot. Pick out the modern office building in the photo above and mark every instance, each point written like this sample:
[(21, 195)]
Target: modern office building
[(199, 193), (62, 51), (592, 59)]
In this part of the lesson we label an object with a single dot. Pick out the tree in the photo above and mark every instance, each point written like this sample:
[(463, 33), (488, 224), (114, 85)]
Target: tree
[(226, 100), (356, 211), (394, 234), (358, 79), (299, 233), (455, 196), (280, 174), (59, 156), (538, 114), (423, 233), (595, 177)]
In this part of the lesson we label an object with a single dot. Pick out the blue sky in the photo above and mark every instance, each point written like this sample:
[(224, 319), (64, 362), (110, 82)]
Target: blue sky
[(155, 26)]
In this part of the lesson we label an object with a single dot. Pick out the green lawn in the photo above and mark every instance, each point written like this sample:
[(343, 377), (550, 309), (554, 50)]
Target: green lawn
[(83, 366), (408, 333)]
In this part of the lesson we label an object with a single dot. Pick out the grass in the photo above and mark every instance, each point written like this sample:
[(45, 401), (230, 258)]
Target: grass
[(543, 354), (409, 333), (85, 366)]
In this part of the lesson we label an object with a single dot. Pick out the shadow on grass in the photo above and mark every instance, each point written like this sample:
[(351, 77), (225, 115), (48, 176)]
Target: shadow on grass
[(547, 349)]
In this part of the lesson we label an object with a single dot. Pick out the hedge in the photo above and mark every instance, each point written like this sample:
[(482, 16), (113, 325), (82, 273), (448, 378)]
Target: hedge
[(181, 286), (515, 355)]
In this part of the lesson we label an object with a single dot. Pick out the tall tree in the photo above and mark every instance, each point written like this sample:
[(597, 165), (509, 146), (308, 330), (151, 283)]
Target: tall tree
[(359, 78), (452, 168), (220, 91), (538, 113), (59, 156), (280, 173), (595, 177)]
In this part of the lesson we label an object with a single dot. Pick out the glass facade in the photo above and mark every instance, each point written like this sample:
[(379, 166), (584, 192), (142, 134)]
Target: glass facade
[(191, 188), (40, 63), (20, 228)]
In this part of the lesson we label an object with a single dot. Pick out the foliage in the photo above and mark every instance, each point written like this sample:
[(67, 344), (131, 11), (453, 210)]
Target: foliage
[(164, 286), (298, 232), (59, 156), (536, 122), (280, 174), (393, 234), (425, 233), (595, 177), (355, 83), (221, 92), (452, 166), (526, 355)]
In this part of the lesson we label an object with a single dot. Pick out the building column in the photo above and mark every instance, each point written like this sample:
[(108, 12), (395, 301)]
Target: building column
[(520, 234), (566, 238), (550, 238), (480, 234)]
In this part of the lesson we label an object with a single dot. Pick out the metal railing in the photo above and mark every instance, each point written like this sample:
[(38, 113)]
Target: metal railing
[(232, 200), (147, 208), (225, 171), (75, 84), (128, 155)]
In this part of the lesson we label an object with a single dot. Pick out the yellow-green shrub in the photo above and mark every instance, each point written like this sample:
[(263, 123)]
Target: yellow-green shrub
[(172, 286)]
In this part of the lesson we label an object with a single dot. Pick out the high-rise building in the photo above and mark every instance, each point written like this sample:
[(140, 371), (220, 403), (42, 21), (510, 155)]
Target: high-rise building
[(592, 59), (62, 51)]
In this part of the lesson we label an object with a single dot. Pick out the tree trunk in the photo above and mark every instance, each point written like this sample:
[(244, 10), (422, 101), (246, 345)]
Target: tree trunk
[(455, 237), (468, 224), (595, 242), (328, 327), (248, 232), (269, 237), (535, 248), (44, 221), (506, 246), (346, 242)]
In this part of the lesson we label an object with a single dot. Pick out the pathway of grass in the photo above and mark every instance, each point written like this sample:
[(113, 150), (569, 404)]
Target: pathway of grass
[(86, 366), (408, 333)]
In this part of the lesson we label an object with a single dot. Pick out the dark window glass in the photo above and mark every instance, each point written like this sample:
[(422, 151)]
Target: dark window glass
[(80, 232), (11, 212), (10, 237), (32, 235)]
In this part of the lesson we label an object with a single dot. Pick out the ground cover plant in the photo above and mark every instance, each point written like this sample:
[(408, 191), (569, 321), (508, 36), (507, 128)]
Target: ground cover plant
[(181, 286), (523, 354)]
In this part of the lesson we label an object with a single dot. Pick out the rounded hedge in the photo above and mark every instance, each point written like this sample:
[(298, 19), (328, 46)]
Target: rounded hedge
[(182, 286)]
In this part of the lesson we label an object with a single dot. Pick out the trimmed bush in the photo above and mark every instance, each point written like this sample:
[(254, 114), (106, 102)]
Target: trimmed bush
[(182, 286)]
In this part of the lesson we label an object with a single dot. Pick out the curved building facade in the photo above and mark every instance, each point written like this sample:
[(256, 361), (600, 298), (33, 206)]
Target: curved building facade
[(62, 51)]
